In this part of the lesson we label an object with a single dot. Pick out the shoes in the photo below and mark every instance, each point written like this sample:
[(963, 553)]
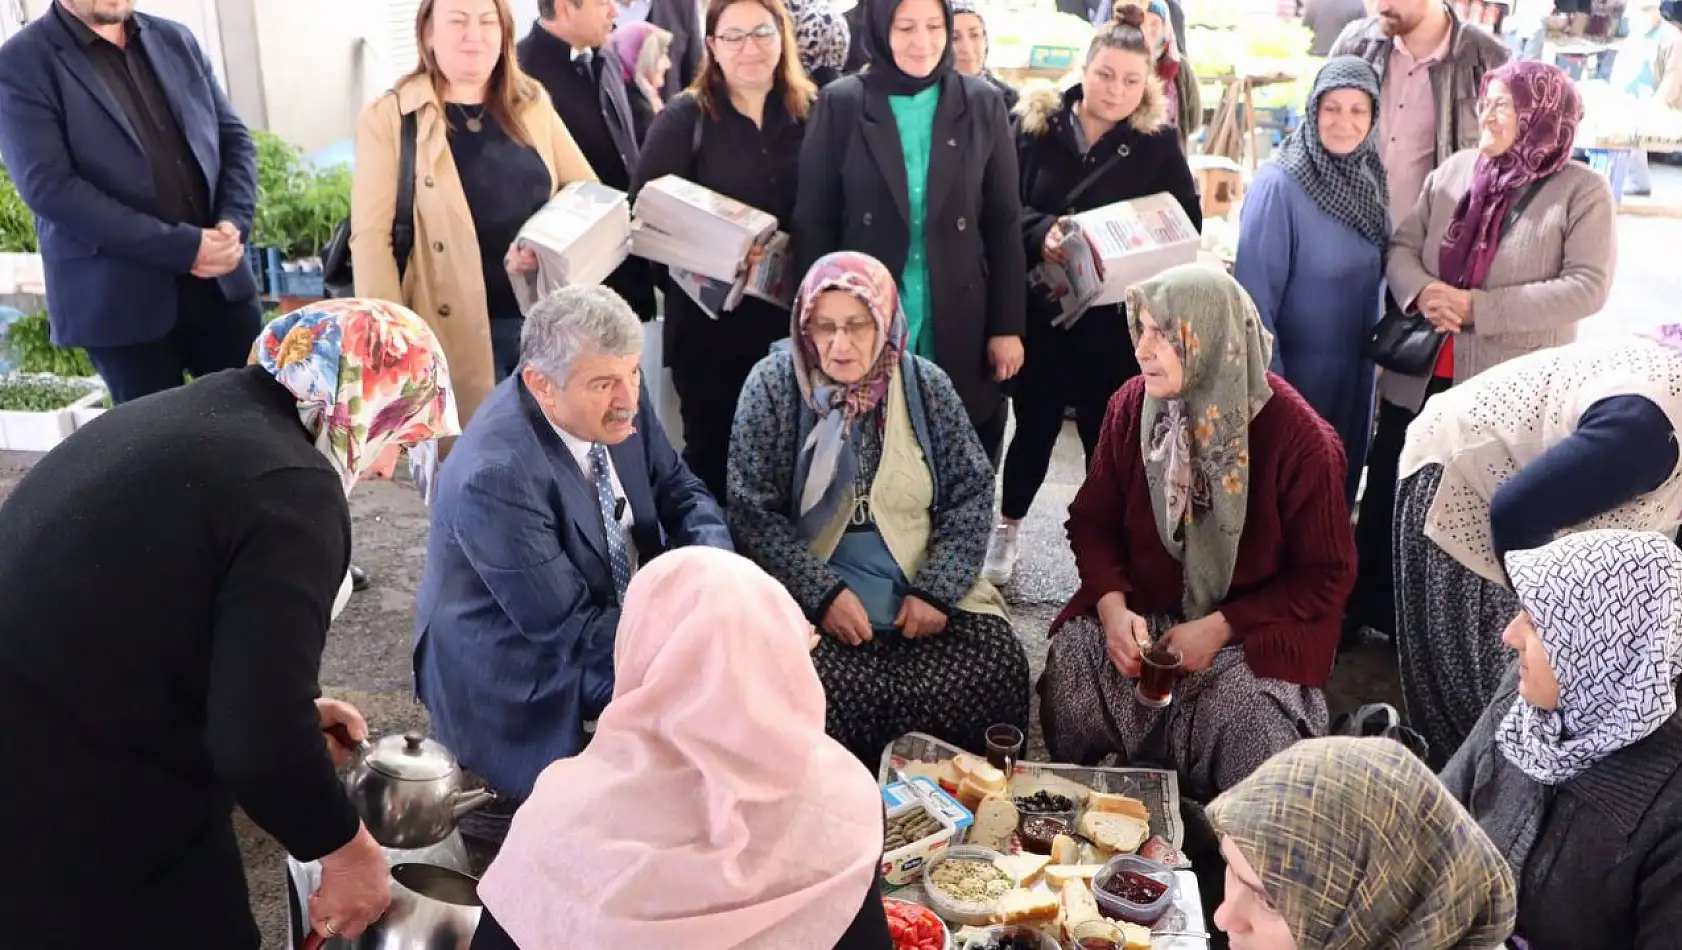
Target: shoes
[(358, 578), (1003, 548)]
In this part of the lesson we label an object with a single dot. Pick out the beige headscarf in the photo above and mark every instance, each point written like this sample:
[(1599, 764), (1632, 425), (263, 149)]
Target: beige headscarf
[(710, 811), (1197, 445), (1359, 846)]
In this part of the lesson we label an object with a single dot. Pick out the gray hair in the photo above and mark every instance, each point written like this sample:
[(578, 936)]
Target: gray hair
[(566, 323)]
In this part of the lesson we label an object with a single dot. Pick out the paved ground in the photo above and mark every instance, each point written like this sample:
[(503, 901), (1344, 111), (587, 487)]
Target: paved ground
[(367, 659)]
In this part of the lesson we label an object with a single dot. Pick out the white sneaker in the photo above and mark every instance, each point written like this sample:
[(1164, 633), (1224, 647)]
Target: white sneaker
[(1003, 548)]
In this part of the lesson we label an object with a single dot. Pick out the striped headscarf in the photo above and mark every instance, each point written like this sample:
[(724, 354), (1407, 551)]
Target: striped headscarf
[(1358, 845)]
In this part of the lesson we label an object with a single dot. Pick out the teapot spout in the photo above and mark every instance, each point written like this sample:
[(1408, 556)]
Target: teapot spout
[(463, 802)]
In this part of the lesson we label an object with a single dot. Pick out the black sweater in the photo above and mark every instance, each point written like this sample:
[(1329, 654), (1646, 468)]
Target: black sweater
[(166, 580)]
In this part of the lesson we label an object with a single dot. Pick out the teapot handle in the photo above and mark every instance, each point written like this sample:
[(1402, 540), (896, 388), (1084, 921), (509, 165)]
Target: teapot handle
[(340, 734), (314, 941)]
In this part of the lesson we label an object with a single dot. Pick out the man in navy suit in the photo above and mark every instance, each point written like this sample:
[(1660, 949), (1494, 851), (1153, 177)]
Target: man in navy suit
[(143, 183), (562, 484)]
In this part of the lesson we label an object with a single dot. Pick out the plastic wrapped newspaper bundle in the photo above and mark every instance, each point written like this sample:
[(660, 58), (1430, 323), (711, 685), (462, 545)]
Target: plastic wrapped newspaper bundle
[(580, 237), (706, 240), (1108, 249)]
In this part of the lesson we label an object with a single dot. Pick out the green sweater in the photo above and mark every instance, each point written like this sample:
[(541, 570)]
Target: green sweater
[(915, 117)]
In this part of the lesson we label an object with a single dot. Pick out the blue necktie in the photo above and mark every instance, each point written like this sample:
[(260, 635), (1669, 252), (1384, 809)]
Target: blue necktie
[(617, 557)]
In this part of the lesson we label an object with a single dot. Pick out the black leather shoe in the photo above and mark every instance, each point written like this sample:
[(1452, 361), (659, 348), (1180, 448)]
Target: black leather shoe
[(358, 578)]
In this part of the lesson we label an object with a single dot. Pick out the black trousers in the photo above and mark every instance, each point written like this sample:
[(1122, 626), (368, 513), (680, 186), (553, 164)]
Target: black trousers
[(211, 333), (1373, 603), (1080, 367), (505, 345), (708, 386)]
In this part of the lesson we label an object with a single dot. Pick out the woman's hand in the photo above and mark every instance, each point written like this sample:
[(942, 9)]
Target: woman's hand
[(1123, 632), (847, 621), (1005, 353), (1052, 250), (332, 713), (917, 618), (521, 260), (1198, 641), (354, 888), (1449, 309)]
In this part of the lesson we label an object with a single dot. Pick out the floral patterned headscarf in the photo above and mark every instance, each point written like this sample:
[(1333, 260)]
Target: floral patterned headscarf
[(828, 462), (1197, 444), (1549, 111), (367, 374)]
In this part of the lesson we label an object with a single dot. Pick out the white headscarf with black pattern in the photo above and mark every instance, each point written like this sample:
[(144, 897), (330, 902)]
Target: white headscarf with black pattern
[(820, 34), (1607, 606), (1351, 188)]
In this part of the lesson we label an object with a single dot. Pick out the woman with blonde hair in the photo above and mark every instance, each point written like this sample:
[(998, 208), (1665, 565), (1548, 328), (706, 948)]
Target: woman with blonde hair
[(643, 50), (488, 151)]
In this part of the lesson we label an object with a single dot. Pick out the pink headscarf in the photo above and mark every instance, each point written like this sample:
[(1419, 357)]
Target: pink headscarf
[(1549, 111), (627, 40), (710, 811)]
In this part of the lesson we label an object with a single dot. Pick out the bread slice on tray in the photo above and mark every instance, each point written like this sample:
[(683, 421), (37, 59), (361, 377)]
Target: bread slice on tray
[(1122, 834)]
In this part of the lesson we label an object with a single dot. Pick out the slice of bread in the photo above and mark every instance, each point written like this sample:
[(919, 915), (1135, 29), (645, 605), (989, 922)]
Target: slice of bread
[(1119, 805), (1136, 936), (1120, 833), (971, 794), (966, 764), (1030, 907), (1058, 875), (1079, 906), (1064, 850), (995, 822), (1027, 866)]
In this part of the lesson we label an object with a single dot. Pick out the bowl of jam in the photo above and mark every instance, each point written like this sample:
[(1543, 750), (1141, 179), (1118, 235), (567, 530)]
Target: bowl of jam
[(1133, 889), (1038, 831)]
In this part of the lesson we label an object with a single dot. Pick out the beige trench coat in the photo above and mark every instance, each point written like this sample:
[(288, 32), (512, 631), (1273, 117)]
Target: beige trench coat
[(444, 282)]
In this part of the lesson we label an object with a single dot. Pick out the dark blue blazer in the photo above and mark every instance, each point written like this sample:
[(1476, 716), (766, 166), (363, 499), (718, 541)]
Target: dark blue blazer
[(111, 263), (517, 612)]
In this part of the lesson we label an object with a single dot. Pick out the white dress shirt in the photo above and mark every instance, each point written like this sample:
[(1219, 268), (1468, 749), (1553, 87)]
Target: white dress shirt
[(580, 450)]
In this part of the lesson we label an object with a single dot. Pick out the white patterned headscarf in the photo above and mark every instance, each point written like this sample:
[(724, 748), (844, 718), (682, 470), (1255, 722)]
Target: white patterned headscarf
[(1607, 606)]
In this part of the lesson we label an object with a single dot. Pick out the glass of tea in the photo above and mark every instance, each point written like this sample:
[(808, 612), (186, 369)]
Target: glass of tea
[(1158, 669), (1004, 747), (1097, 935)]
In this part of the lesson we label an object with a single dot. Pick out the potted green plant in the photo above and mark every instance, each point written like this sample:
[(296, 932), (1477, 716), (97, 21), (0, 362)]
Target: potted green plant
[(298, 208), (20, 258), (37, 411)]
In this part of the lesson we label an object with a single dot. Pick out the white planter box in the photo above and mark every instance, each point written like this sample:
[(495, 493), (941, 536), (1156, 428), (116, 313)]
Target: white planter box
[(42, 431), (22, 274), (85, 415)]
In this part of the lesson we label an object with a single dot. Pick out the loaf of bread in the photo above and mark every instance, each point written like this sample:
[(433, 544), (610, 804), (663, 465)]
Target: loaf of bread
[(1120, 833), (995, 822), (1028, 907)]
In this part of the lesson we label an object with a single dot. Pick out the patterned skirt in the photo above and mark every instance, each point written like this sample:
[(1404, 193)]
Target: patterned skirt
[(1223, 724), (1449, 623), (952, 686)]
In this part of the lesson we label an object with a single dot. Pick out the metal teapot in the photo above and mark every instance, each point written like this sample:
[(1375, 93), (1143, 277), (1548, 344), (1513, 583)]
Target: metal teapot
[(432, 908), (407, 788)]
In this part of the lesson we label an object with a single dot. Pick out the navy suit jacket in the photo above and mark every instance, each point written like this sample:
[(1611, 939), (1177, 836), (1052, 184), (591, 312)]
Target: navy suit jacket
[(111, 263), (517, 612)]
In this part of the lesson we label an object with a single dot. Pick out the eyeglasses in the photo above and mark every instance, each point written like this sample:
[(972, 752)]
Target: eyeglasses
[(857, 332), (1499, 108), (762, 35)]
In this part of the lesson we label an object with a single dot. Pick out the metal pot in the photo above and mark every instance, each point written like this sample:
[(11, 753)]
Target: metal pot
[(408, 791), (432, 908)]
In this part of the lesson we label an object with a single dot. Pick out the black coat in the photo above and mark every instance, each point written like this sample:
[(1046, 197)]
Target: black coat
[(853, 197), (681, 19), (1052, 165)]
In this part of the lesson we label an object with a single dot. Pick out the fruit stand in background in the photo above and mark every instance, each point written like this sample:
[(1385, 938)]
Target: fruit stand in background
[(1255, 66), (1032, 40)]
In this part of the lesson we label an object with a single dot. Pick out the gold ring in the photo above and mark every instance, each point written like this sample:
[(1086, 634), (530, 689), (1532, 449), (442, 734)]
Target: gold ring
[(328, 930)]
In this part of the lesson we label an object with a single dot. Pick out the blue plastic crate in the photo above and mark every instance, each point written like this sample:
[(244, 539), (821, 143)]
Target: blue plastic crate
[(299, 284), (1613, 163)]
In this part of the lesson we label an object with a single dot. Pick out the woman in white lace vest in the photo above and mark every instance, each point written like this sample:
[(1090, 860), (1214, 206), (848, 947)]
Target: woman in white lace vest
[(1563, 440)]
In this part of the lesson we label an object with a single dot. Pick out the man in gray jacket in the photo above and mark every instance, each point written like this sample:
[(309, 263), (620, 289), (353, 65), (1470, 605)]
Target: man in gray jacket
[(1430, 67)]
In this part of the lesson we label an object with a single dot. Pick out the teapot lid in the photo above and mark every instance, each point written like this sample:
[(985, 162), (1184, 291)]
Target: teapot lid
[(411, 756)]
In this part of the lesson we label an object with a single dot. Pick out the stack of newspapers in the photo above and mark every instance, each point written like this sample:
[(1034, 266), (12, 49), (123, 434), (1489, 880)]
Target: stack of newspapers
[(580, 237), (1108, 249), (716, 248)]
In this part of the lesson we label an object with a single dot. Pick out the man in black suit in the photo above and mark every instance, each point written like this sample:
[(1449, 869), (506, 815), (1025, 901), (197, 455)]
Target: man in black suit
[(567, 52), (143, 182)]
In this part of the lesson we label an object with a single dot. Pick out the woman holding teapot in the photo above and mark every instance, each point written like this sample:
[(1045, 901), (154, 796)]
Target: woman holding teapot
[(167, 577)]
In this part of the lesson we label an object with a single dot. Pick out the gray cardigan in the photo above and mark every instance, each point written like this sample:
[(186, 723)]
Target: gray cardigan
[(1552, 269)]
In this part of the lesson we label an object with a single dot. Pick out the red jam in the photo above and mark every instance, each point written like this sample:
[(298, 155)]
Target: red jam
[(1135, 888)]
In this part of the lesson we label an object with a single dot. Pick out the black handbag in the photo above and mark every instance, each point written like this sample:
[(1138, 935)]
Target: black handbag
[(336, 274), (1407, 343)]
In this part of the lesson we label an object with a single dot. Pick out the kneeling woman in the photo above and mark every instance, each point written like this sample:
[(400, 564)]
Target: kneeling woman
[(1573, 769), (1212, 520), (857, 480)]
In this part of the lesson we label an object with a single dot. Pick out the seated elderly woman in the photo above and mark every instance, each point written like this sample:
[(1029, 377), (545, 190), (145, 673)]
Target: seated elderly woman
[(856, 479), (1211, 527), (1573, 769), (1315, 859), (710, 812), (1574, 437)]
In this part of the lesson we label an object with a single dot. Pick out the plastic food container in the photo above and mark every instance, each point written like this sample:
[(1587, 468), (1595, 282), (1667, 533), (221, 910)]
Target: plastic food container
[(946, 938), (903, 864), (1120, 908), (974, 913), (986, 938)]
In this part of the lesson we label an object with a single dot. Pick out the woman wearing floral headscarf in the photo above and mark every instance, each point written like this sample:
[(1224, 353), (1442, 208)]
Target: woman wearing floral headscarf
[(1311, 249), (1575, 769), (1508, 247), (857, 481), (1565, 439), (1352, 844), (1211, 523), (167, 577)]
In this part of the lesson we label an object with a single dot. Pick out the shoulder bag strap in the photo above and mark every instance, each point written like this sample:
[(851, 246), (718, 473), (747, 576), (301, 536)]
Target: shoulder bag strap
[(1518, 207), (403, 222), (1091, 179)]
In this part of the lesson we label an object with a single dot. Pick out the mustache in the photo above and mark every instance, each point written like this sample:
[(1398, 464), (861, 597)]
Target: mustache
[(620, 415)]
